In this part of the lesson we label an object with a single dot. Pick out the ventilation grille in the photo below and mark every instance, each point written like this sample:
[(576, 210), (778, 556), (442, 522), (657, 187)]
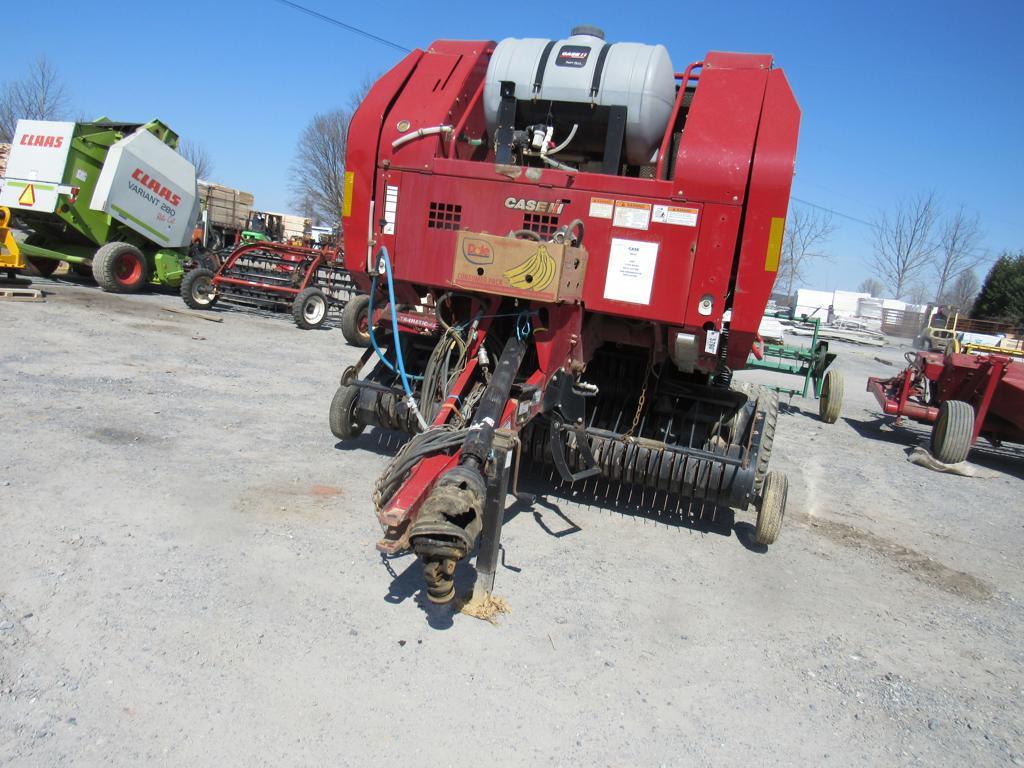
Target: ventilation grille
[(444, 216), (540, 223)]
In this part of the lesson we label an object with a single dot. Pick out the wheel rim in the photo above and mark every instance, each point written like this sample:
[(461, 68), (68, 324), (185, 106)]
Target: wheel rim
[(314, 308), (201, 290), (364, 322), (128, 268)]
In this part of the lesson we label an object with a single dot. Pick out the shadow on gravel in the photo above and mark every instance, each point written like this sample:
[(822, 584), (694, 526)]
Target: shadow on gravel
[(382, 442), (1006, 459)]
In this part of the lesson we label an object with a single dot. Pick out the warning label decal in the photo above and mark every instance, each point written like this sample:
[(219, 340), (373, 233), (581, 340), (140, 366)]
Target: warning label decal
[(677, 215), (632, 215)]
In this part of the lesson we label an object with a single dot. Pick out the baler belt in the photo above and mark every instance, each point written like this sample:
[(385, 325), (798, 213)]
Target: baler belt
[(595, 84), (538, 79)]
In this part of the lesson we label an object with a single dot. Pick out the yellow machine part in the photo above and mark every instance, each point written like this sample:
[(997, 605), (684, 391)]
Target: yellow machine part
[(10, 253)]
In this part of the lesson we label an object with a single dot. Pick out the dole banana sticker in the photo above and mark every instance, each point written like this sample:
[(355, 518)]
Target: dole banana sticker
[(534, 274)]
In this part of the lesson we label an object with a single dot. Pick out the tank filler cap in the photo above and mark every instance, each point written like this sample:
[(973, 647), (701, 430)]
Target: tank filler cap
[(589, 31)]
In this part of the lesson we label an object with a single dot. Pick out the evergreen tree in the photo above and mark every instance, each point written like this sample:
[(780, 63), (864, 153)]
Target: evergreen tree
[(1002, 295)]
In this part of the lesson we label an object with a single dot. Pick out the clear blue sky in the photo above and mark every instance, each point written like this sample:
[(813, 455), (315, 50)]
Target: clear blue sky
[(897, 97)]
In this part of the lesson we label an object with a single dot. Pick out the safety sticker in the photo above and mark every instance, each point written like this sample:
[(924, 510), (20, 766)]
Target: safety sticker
[(632, 215), (601, 208), (630, 275), (674, 214), (390, 209)]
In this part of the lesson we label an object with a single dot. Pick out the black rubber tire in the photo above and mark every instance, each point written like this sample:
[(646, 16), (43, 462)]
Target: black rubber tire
[(831, 401), (120, 268), (310, 308), (953, 432), (81, 269), (196, 289), (342, 416), (355, 322), (771, 509), (767, 402), (42, 266)]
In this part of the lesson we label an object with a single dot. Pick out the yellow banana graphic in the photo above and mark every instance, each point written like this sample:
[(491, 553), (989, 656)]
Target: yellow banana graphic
[(534, 274), (529, 266)]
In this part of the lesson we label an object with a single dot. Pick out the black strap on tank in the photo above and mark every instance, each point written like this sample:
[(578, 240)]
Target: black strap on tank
[(538, 79), (595, 84)]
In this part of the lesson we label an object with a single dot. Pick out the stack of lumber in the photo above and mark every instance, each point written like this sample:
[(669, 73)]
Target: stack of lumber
[(225, 206), (293, 226)]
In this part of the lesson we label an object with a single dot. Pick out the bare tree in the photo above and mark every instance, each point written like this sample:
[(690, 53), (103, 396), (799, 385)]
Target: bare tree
[(807, 231), (903, 246), (39, 95), (872, 287), (319, 165), (965, 289), (958, 239), (198, 156)]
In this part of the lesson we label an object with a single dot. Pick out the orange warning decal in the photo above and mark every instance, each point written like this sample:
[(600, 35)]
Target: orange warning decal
[(28, 197)]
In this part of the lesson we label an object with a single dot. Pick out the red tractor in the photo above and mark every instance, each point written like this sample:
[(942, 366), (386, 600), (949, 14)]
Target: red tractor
[(568, 248)]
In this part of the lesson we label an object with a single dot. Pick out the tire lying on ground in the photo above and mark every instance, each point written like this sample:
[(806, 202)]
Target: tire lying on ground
[(831, 400), (120, 268), (310, 308), (342, 416), (355, 321), (80, 269), (197, 289), (953, 432), (42, 266)]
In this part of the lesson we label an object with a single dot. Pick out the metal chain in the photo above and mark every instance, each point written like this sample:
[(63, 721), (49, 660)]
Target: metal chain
[(642, 401)]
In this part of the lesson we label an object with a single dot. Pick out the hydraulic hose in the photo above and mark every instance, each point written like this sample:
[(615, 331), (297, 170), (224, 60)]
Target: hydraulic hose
[(420, 134), (410, 400)]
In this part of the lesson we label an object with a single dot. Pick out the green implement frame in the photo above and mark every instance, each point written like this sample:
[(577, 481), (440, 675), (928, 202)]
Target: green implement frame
[(811, 363)]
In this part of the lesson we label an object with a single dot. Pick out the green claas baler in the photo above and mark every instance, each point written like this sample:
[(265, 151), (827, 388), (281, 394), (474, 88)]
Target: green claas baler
[(114, 200)]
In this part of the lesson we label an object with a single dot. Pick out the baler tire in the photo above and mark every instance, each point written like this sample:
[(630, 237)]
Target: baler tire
[(342, 416), (355, 322), (953, 432), (831, 401), (767, 401), (772, 508), (197, 289), (120, 268), (310, 308), (43, 266)]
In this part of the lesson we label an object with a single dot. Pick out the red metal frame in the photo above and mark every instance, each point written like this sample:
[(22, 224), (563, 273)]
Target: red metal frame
[(992, 384), (293, 256)]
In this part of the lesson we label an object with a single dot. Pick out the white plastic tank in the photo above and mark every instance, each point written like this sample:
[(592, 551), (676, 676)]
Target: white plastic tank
[(634, 75)]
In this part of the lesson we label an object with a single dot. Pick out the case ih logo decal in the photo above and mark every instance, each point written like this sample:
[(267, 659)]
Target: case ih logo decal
[(534, 206), (477, 251), (37, 140), (572, 56), (148, 183)]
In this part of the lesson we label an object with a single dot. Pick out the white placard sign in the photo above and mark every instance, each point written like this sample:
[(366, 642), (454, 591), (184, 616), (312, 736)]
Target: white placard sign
[(631, 266)]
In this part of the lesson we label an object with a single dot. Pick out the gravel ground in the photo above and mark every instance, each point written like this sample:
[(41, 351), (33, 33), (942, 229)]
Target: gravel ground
[(187, 577)]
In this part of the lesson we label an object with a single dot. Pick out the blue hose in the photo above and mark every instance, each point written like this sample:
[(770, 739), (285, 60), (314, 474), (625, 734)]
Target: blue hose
[(373, 340), (394, 329)]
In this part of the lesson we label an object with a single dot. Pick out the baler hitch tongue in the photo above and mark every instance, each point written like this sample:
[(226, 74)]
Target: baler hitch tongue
[(451, 518)]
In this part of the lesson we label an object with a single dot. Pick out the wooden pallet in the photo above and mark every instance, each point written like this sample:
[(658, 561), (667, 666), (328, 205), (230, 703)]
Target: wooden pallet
[(10, 293)]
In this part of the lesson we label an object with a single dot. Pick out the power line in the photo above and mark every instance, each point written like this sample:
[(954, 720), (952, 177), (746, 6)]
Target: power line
[(343, 25)]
